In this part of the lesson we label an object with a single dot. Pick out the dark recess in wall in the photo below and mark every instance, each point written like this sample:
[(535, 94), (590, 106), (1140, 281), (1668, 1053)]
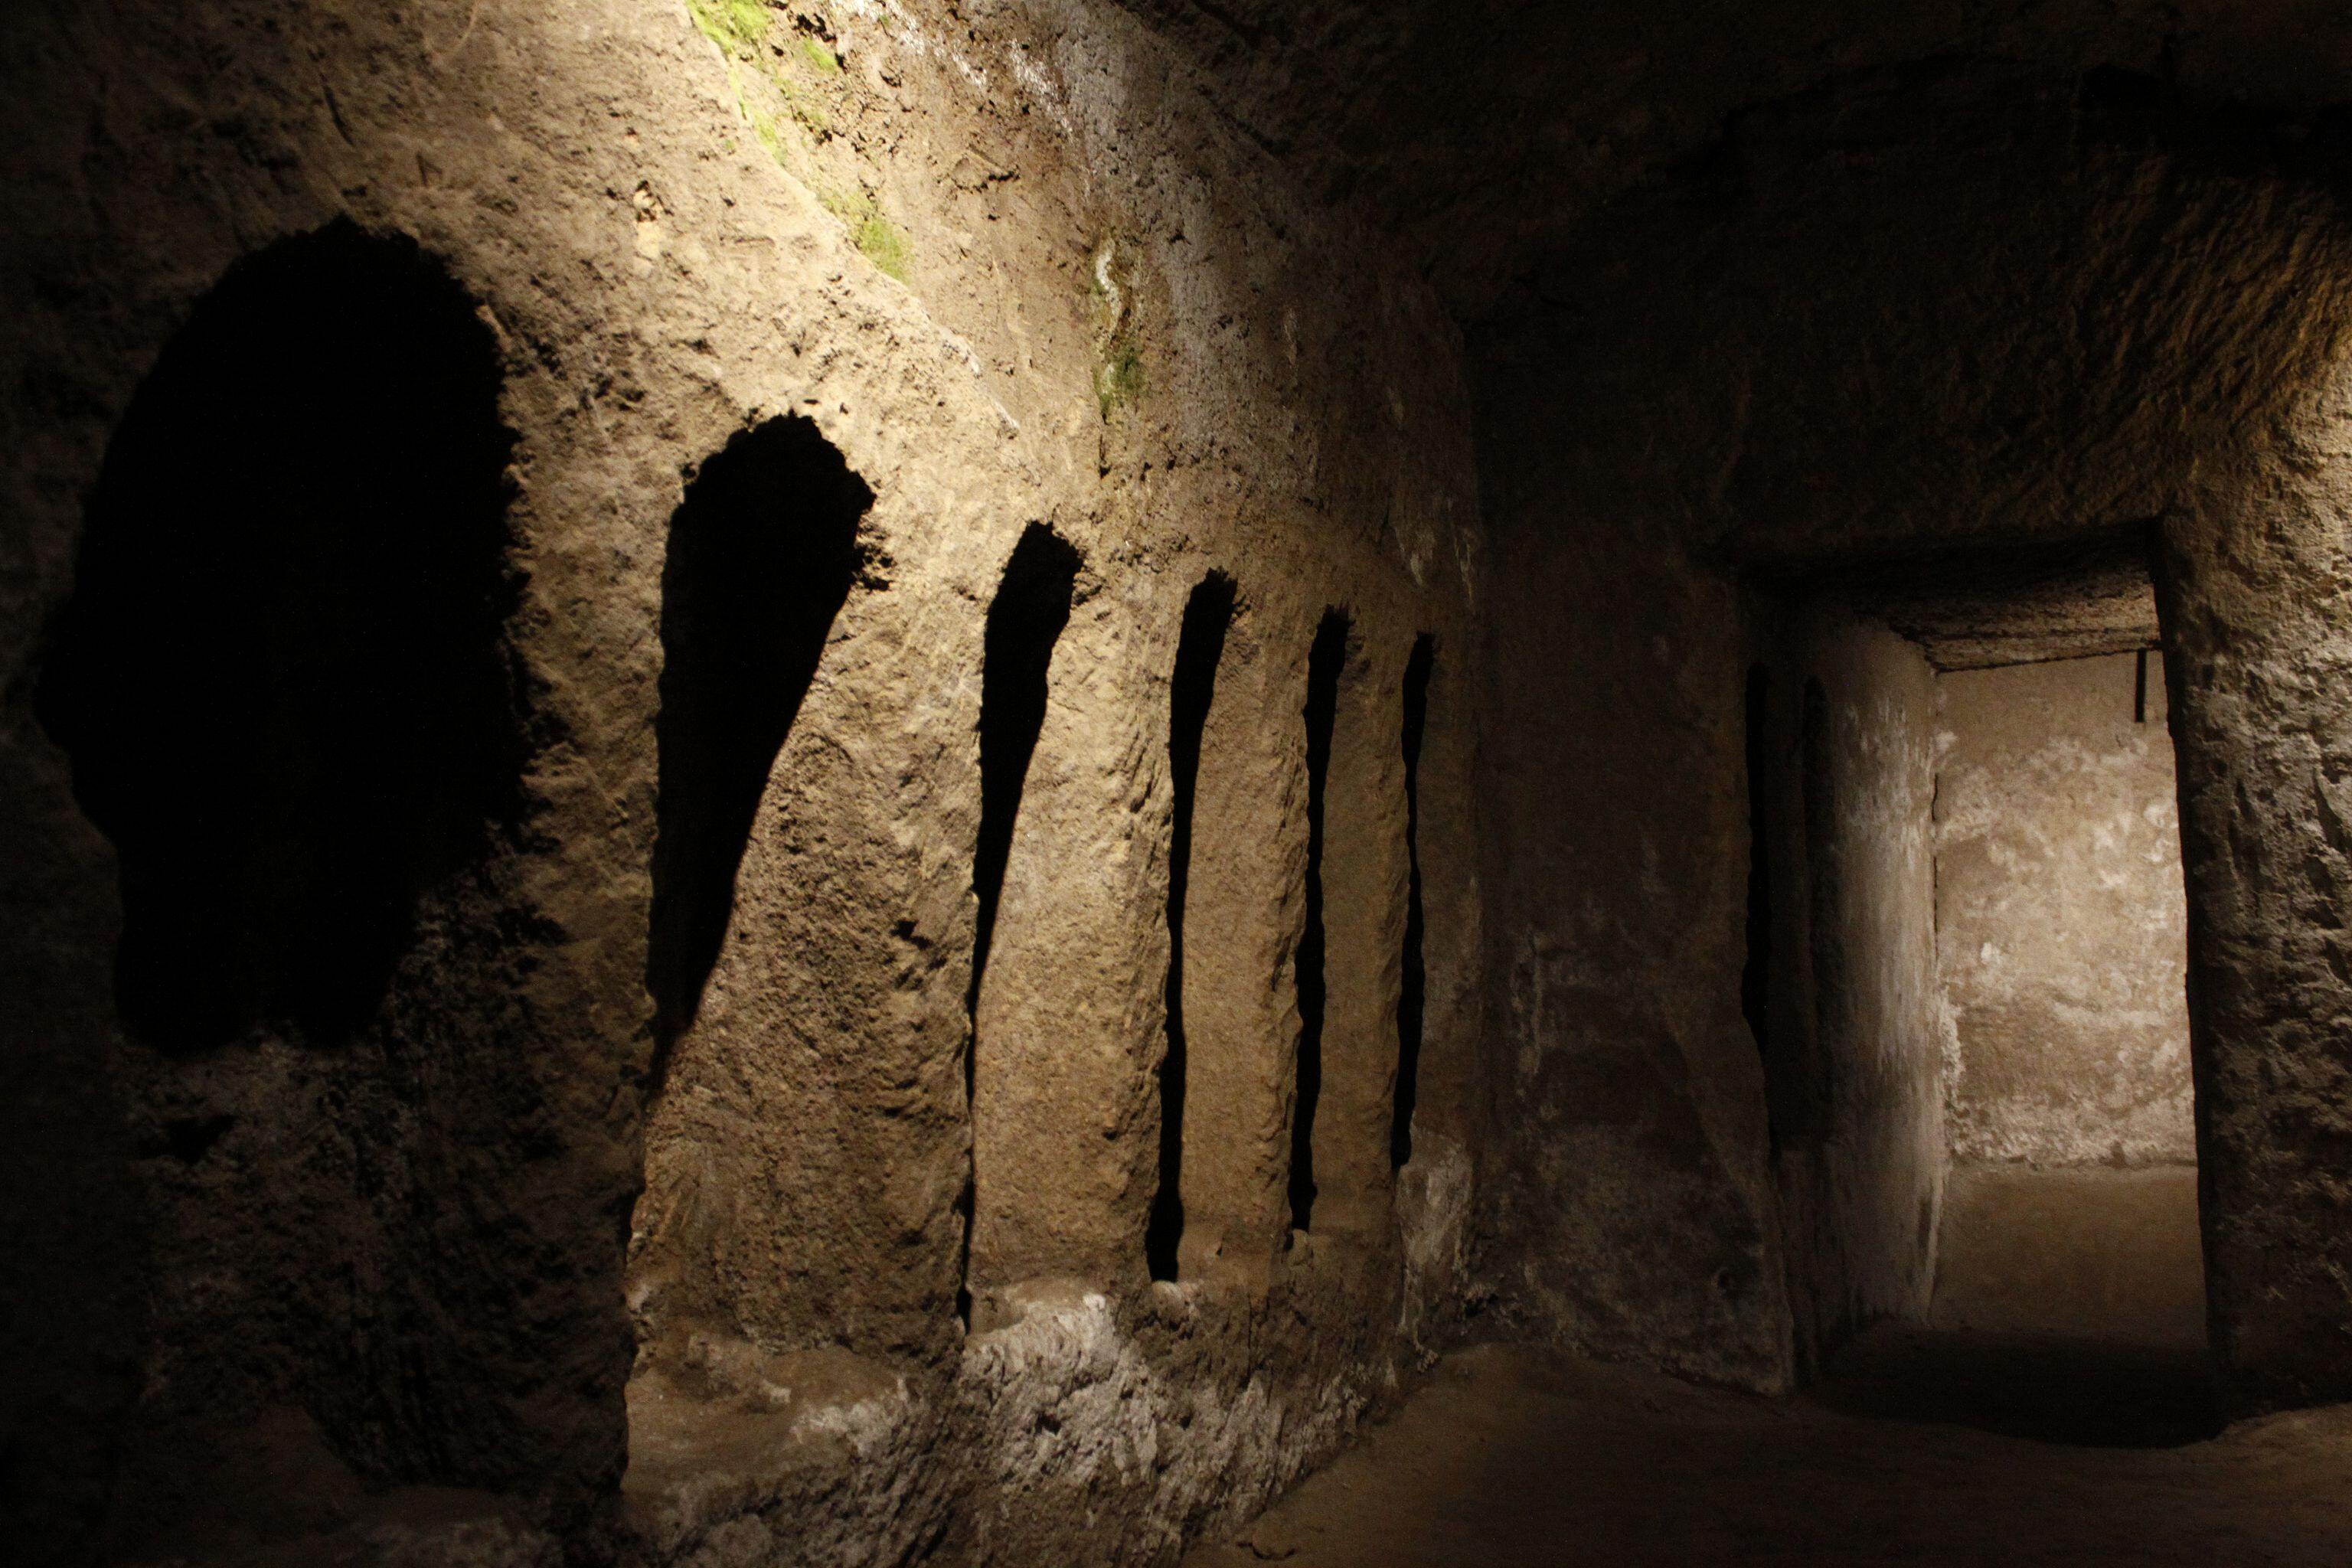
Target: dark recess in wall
[(1810, 1099), (762, 554), (1756, 978), (1025, 621), (1200, 645), (282, 676), (1325, 661), (1413, 998)]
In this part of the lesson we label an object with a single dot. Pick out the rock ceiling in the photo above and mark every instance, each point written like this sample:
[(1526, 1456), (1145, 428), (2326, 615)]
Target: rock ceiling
[(1480, 132)]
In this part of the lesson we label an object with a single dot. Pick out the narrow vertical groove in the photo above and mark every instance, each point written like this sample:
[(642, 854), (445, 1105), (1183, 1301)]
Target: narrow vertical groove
[(1200, 645), (1025, 621), (1822, 899), (1324, 662), (762, 554), (1412, 996), (1756, 978)]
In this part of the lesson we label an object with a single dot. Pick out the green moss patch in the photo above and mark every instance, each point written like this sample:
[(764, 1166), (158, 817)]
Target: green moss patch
[(1120, 380), (886, 246), (818, 56), (735, 25)]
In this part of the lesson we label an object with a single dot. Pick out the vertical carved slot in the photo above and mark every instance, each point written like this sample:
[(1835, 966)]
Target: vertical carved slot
[(762, 554), (1025, 621), (1756, 977), (1200, 645), (1325, 661), (1814, 1094), (1412, 997)]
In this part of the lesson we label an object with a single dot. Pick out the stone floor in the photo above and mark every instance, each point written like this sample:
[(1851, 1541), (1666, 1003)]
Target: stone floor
[(2090, 1254), (2057, 1410), (1516, 1458)]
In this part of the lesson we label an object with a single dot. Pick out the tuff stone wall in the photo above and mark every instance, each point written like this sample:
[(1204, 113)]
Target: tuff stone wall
[(691, 1283), (2059, 922), (1853, 1022), (1635, 1217), (2251, 585), (1720, 382)]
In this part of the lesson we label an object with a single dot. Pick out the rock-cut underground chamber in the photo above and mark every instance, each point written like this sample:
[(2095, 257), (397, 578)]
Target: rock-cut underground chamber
[(843, 783)]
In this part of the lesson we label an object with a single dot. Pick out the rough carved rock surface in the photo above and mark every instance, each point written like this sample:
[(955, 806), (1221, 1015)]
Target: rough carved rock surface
[(1009, 273), (2061, 929), (732, 1132)]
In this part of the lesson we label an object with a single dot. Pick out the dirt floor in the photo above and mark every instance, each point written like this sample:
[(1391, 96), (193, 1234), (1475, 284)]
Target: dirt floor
[(2112, 1254), (2059, 1410), (1520, 1457)]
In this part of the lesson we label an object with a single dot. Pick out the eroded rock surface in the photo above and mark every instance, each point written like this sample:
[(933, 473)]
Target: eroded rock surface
[(672, 1061)]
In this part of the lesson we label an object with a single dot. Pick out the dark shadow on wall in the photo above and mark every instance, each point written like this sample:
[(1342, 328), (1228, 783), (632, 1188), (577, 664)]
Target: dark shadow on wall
[(762, 554), (282, 678), (1025, 621), (285, 685), (1814, 1102), (1756, 978), (1412, 996), (1200, 645), (1326, 659)]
